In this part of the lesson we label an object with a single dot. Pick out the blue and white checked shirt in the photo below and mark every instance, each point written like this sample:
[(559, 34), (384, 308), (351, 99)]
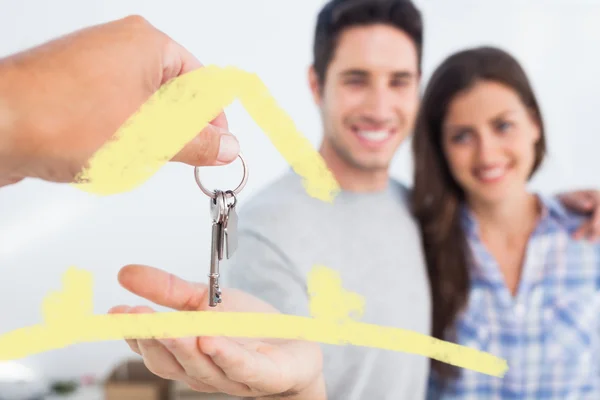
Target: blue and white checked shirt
[(549, 333)]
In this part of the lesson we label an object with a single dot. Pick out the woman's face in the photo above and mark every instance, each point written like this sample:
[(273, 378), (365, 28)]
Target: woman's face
[(488, 139)]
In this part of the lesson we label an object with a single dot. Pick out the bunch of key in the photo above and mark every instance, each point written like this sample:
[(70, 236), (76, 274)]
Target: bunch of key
[(224, 229), (224, 238)]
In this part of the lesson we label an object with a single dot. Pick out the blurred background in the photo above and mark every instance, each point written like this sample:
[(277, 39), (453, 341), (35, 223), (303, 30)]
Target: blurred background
[(46, 228)]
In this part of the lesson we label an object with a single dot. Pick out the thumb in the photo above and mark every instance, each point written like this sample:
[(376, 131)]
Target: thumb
[(213, 146), (163, 288)]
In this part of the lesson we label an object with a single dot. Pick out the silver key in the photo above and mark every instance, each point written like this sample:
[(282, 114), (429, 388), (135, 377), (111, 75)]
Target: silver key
[(218, 210), (224, 225), (224, 229), (230, 223)]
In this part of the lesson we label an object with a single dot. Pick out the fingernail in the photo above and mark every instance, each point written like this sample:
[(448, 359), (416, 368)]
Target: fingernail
[(229, 148)]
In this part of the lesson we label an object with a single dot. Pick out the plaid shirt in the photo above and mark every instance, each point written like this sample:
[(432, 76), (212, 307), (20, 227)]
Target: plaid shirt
[(549, 333)]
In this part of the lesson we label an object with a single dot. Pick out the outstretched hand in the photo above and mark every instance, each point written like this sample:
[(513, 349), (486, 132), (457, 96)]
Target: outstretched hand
[(239, 367)]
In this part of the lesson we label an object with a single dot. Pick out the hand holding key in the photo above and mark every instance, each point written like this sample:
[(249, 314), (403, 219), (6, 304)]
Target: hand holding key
[(86, 85), (239, 367)]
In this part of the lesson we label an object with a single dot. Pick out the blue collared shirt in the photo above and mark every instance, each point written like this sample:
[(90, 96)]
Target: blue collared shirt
[(549, 332)]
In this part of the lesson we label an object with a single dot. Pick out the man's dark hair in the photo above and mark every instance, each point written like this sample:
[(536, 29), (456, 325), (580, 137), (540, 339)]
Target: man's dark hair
[(338, 15)]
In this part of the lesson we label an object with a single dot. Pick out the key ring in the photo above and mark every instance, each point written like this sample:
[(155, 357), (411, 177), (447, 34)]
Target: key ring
[(236, 191)]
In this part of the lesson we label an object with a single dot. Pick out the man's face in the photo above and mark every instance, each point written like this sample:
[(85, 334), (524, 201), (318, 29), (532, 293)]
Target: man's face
[(370, 97)]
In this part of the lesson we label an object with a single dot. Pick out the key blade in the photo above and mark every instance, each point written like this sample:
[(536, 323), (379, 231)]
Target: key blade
[(214, 250), (223, 223), (218, 208), (231, 237), (213, 281)]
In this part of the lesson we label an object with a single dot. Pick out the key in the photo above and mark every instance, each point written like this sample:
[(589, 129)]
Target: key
[(230, 224), (218, 210), (224, 239), (222, 233)]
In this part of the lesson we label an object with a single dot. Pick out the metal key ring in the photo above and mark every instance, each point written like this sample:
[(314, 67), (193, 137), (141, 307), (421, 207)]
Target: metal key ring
[(237, 190)]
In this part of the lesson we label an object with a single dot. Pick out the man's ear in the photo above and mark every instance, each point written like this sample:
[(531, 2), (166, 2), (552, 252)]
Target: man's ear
[(313, 82)]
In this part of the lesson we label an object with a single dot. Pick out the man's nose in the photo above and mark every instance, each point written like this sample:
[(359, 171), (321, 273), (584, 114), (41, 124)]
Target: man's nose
[(380, 104)]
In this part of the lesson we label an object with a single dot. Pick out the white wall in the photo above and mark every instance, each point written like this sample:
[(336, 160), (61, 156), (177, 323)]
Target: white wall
[(46, 228)]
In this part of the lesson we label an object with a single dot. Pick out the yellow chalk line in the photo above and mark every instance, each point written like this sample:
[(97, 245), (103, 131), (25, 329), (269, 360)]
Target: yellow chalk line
[(69, 320)]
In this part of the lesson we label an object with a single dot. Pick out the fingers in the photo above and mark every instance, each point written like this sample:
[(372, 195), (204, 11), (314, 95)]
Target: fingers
[(132, 343), (163, 288), (238, 363), (181, 359), (213, 146), (265, 367), (156, 357), (594, 232), (579, 201), (176, 60), (585, 202), (199, 366), (590, 229)]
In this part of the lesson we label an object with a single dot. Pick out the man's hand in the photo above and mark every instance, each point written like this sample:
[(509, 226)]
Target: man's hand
[(62, 100), (585, 202), (276, 368)]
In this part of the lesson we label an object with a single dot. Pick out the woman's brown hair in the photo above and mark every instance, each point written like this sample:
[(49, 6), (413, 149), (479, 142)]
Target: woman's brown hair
[(437, 197)]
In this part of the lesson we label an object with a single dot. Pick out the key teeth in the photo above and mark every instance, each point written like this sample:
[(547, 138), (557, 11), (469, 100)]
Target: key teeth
[(217, 295), (217, 298)]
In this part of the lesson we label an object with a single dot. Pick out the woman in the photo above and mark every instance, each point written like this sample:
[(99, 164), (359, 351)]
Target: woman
[(507, 276)]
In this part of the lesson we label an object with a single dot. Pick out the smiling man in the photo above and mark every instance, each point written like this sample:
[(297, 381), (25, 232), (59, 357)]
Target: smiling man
[(365, 83)]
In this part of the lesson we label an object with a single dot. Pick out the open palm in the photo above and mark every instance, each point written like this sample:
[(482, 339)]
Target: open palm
[(239, 367)]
